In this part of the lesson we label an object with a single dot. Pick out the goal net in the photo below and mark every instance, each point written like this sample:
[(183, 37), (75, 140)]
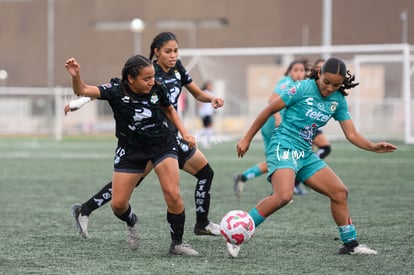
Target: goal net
[(381, 106)]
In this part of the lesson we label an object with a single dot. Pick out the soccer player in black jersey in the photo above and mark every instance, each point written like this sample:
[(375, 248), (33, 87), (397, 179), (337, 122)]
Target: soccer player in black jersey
[(171, 73), (141, 108)]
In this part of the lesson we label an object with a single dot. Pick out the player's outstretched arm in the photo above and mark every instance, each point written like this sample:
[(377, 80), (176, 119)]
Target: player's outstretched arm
[(198, 94), (360, 141), (79, 87)]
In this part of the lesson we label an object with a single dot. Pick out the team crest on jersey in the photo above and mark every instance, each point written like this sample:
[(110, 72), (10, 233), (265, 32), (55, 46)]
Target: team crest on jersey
[(154, 98), (292, 91), (177, 75), (334, 104)]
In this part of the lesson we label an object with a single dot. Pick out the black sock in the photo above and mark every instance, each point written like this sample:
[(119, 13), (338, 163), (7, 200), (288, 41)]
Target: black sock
[(99, 199), (202, 195), (351, 244), (323, 151), (176, 225), (128, 217)]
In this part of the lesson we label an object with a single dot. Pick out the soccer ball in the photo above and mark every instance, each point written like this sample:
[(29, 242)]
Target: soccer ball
[(237, 227)]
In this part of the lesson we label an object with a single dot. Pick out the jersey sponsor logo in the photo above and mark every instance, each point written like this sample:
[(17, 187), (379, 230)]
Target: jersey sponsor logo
[(125, 99), (173, 95), (169, 80), (140, 114), (317, 115)]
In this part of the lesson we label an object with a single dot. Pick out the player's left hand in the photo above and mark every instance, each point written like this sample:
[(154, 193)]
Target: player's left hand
[(384, 147), (67, 109)]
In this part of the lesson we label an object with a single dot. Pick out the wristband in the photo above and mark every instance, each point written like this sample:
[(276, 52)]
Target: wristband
[(78, 103)]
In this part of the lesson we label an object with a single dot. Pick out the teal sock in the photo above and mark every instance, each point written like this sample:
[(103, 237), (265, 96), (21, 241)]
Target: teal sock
[(347, 233), (257, 218), (252, 172)]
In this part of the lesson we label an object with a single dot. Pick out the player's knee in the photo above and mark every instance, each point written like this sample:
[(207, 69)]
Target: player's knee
[(340, 195), (283, 198), (205, 173), (118, 206)]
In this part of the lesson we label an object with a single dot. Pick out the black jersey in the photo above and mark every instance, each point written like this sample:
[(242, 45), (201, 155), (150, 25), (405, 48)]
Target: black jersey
[(173, 80), (139, 119)]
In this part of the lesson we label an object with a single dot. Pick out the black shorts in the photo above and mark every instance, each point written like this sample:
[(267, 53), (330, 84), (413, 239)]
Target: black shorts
[(184, 152), (131, 158), (207, 121)]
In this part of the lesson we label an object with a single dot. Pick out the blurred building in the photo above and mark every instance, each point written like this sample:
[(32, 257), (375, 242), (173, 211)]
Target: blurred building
[(38, 35)]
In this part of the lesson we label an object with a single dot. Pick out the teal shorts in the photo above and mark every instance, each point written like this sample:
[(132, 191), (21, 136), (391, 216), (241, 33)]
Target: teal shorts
[(304, 163)]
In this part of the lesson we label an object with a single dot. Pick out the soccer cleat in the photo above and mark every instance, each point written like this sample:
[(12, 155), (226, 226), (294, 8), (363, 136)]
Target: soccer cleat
[(238, 185), (361, 249), (233, 249), (183, 249), (211, 229), (132, 238), (81, 220)]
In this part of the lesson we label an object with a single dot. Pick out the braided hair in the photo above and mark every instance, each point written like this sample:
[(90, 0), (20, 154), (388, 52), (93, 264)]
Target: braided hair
[(336, 66), (133, 67), (159, 41)]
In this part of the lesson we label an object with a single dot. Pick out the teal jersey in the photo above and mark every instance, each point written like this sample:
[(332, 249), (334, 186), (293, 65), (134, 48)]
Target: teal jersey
[(269, 126), (306, 111), (281, 86)]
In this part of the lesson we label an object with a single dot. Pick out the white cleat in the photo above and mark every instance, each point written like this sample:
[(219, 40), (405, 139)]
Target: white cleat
[(80, 220), (183, 249), (233, 249), (132, 238), (211, 229), (361, 249)]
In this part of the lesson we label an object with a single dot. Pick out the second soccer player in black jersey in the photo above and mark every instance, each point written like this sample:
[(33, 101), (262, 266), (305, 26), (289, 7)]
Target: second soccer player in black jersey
[(171, 73), (141, 110)]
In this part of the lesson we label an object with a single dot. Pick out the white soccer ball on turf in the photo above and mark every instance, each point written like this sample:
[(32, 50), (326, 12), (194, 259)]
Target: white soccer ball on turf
[(237, 227)]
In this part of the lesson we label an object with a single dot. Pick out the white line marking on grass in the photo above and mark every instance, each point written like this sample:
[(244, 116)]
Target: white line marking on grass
[(60, 155)]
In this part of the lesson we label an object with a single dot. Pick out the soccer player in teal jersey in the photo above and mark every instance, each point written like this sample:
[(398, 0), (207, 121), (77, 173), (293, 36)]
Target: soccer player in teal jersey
[(294, 72), (310, 104)]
